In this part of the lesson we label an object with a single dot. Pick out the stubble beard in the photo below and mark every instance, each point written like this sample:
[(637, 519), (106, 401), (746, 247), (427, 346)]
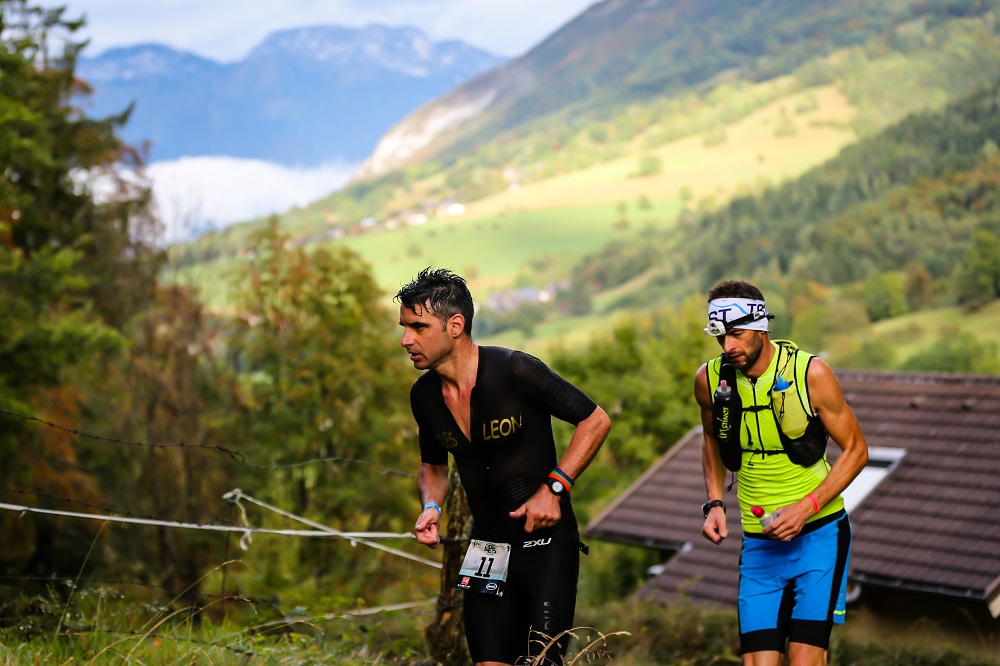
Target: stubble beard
[(752, 355)]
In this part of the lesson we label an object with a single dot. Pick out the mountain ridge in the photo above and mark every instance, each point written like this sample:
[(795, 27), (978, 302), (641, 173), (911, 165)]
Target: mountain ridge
[(582, 71), (301, 97), (146, 60), (405, 49)]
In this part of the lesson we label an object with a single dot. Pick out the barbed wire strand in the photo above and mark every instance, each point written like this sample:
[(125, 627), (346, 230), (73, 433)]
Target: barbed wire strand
[(246, 531), (236, 495), (123, 512), (236, 456)]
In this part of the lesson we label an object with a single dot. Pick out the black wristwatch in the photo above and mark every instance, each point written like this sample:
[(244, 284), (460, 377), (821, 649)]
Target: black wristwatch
[(556, 486), (708, 506)]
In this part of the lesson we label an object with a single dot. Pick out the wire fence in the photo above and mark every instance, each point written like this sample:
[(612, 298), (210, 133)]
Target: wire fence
[(234, 455), (235, 498)]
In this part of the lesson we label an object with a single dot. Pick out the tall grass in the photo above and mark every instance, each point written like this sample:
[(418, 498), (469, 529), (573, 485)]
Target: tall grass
[(99, 626)]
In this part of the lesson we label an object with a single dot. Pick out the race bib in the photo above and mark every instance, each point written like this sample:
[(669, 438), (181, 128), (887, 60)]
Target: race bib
[(484, 569)]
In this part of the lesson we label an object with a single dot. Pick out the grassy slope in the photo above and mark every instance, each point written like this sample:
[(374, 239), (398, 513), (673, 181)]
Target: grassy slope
[(549, 224), (751, 155), (911, 330)]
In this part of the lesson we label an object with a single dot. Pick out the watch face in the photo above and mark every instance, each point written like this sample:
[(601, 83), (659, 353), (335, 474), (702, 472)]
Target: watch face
[(557, 487)]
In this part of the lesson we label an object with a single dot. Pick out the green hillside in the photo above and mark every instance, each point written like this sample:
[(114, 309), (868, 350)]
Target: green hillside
[(621, 54), (503, 239), (695, 148), (816, 177), (488, 249)]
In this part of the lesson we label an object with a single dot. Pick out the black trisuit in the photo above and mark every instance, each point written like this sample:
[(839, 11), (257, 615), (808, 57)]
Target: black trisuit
[(510, 456)]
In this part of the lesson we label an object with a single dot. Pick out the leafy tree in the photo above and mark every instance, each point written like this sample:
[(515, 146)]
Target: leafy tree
[(877, 353), (577, 298), (649, 165), (171, 386), (819, 324), (978, 280), (989, 149), (321, 376), (809, 330), (73, 270), (918, 285), (884, 296)]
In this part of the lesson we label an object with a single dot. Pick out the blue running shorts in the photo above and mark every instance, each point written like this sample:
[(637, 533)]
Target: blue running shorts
[(794, 590)]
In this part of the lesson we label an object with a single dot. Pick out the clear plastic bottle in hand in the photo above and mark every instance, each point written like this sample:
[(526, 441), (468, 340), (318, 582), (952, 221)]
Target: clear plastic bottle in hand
[(764, 518)]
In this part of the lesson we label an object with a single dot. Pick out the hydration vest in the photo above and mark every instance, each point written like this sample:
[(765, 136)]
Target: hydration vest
[(727, 420)]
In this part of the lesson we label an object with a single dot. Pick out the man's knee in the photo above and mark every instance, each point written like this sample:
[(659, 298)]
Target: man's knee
[(801, 654)]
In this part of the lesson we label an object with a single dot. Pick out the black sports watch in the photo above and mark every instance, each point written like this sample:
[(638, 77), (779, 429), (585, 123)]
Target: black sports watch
[(556, 486), (708, 506)]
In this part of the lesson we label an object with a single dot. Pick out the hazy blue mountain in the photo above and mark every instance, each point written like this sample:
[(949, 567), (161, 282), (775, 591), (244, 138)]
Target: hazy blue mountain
[(301, 97)]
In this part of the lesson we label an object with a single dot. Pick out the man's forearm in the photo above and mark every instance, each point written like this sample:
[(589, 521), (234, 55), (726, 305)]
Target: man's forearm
[(432, 483), (842, 473), (586, 441), (713, 470)]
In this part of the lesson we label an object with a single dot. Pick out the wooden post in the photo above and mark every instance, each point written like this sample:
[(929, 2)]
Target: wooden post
[(446, 635)]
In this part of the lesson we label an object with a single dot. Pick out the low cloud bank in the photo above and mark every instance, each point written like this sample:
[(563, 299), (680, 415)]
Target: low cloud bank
[(197, 194)]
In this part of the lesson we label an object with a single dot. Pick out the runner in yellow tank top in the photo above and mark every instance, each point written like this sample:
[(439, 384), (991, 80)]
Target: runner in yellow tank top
[(792, 572), (767, 478)]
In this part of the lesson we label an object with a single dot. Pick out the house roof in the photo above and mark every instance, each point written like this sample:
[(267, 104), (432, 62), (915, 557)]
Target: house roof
[(933, 523)]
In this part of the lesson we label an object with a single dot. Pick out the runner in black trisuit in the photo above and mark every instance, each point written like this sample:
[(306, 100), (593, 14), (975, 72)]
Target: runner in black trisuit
[(491, 408)]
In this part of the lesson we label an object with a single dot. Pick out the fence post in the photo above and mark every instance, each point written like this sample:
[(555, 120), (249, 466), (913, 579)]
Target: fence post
[(446, 636)]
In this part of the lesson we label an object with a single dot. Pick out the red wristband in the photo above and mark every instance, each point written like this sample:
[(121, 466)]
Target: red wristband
[(812, 498)]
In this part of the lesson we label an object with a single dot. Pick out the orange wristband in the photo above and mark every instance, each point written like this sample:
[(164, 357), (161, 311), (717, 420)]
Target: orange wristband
[(812, 498)]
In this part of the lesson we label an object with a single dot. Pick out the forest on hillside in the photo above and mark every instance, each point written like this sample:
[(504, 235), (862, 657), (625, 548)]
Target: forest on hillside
[(907, 220)]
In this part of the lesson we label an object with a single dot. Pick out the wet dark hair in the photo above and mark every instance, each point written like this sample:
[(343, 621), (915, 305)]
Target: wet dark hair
[(443, 292), (735, 289)]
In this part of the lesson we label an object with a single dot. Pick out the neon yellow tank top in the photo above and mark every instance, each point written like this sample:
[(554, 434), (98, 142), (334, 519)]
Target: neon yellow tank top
[(767, 477)]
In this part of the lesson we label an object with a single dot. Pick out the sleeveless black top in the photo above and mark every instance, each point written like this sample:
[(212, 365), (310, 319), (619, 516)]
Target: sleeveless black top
[(512, 449)]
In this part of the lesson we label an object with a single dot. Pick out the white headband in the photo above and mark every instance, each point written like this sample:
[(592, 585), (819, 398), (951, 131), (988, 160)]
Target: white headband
[(744, 312)]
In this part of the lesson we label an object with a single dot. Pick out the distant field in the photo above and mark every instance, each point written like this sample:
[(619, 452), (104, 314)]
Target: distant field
[(751, 154), (913, 332), (489, 250), (567, 332)]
